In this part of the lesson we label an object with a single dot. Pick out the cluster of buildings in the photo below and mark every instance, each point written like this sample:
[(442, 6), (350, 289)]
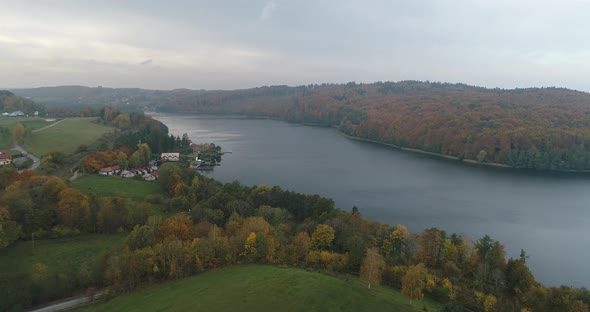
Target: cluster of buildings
[(147, 173), (18, 114)]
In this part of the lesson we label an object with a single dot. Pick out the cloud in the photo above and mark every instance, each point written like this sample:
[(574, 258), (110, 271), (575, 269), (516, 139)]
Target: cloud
[(268, 9), (146, 62)]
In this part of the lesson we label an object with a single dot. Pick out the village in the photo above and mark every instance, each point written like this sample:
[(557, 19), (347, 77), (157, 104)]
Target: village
[(210, 153)]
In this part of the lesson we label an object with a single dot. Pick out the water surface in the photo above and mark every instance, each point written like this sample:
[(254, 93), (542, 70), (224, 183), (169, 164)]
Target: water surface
[(546, 214)]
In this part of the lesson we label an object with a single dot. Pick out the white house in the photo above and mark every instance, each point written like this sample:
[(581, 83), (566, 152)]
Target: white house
[(170, 156)]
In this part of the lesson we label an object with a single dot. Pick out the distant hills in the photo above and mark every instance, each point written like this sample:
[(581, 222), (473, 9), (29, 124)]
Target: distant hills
[(11, 103), (539, 128)]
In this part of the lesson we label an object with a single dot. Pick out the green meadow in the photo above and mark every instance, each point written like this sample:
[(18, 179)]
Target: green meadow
[(262, 288)]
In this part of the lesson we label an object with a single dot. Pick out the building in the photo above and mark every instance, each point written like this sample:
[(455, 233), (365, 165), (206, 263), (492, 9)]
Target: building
[(109, 170), (5, 158), (196, 147), (170, 156), (16, 114)]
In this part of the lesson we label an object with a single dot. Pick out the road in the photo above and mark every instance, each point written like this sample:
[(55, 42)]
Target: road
[(51, 125), (68, 304), (36, 160)]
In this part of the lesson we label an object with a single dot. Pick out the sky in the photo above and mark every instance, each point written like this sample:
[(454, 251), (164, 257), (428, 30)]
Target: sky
[(249, 43)]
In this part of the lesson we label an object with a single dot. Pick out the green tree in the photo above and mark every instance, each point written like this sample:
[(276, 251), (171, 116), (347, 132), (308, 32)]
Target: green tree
[(9, 230), (122, 161), (141, 237), (372, 267)]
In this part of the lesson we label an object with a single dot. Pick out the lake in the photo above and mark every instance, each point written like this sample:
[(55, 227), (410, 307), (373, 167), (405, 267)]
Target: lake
[(547, 214)]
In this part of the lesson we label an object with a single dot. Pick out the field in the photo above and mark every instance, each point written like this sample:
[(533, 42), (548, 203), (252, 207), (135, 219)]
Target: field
[(57, 254), (111, 186), (66, 136), (62, 257), (9, 123), (136, 190), (262, 288)]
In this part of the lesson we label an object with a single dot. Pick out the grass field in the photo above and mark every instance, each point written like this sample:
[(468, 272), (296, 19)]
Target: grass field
[(63, 258), (111, 186), (57, 254), (262, 288), (66, 136), (9, 122), (136, 190)]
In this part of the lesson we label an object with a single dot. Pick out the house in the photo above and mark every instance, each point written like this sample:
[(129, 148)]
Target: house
[(4, 114), (36, 114), (150, 178), (105, 171), (196, 147), (5, 158), (109, 170), (16, 114), (170, 156), (116, 169), (127, 174)]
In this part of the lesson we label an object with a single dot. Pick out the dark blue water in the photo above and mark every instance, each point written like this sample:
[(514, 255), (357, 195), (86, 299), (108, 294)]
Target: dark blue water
[(546, 214)]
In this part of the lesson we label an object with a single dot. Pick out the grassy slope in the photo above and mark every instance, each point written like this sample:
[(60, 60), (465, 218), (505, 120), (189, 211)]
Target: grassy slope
[(111, 186), (9, 122), (66, 136), (57, 254), (262, 288)]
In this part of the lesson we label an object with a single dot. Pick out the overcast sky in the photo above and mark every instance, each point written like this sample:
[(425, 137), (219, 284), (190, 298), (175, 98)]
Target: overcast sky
[(239, 44)]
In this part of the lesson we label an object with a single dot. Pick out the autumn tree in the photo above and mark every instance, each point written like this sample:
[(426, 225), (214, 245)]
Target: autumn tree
[(122, 121), (73, 208), (414, 282), (372, 267), (431, 246), (300, 246), (18, 134), (179, 226), (322, 237)]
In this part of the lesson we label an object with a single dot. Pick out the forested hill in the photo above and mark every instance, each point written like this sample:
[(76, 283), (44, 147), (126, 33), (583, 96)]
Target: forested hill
[(10, 103), (541, 128)]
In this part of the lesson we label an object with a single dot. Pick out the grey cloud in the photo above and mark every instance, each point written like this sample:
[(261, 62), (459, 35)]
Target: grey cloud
[(242, 43)]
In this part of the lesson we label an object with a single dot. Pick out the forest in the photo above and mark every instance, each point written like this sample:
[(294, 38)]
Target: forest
[(194, 224), (207, 224), (10, 103), (535, 128)]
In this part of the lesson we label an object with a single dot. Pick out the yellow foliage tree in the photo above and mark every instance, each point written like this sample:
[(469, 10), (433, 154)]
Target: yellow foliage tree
[(18, 134), (413, 282), (250, 245), (322, 237), (372, 267)]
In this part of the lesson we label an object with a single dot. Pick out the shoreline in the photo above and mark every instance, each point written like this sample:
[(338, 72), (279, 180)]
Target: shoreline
[(471, 162), (419, 151)]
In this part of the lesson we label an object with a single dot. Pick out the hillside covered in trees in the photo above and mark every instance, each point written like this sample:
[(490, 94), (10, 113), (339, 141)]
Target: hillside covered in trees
[(538, 128), (10, 103)]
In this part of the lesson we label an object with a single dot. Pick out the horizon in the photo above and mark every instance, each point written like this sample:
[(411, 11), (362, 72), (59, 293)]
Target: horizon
[(300, 85), (239, 45)]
